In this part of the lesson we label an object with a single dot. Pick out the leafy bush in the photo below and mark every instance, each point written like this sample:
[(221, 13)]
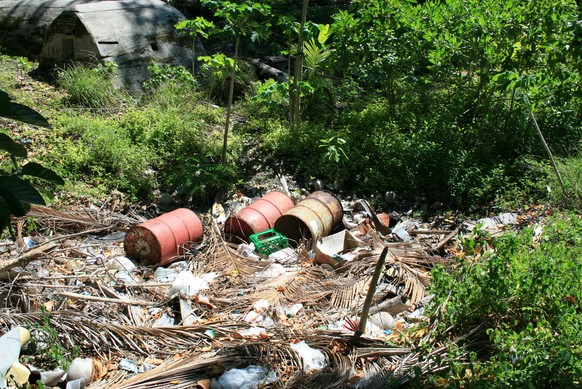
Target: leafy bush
[(163, 74), (16, 192), (216, 70), (525, 288), (571, 172)]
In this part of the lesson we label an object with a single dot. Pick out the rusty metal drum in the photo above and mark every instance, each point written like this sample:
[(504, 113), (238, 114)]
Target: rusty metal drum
[(162, 239), (312, 218), (260, 216)]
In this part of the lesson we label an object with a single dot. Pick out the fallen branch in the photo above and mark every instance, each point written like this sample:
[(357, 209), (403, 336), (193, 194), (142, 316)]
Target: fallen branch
[(446, 240), (371, 291), (76, 296), (28, 256), (428, 232)]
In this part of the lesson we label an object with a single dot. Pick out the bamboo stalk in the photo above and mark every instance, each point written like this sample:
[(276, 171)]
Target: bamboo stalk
[(554, 165), (371, 292)]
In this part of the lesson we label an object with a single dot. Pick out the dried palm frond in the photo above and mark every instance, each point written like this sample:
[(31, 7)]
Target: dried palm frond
[(77, 329), (350, 293), (78, 220), (219, 256), (109, 380)]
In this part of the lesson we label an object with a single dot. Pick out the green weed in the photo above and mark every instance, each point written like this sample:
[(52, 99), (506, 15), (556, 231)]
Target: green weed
[(46, 349)]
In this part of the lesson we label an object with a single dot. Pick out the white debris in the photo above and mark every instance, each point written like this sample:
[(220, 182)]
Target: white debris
[(313, 359), (250, 377)]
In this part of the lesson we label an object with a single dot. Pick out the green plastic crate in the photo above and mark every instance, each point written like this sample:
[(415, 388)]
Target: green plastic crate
[(269, 241)]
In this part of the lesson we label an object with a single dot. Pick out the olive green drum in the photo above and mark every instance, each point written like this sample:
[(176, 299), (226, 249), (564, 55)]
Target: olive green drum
[(312, 218)]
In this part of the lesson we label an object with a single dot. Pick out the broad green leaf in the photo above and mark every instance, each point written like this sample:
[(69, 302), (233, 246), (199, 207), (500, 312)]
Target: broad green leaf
[(4, 214), (12, 147), (21, 189), (324, 33), (20, 112), (37, 170), (14, 205)]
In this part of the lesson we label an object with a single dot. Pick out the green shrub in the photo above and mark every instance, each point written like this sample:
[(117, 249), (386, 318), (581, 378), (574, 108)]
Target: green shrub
[(571, 171), (105, 151), (163, 74), (187, 143), (527, 293)]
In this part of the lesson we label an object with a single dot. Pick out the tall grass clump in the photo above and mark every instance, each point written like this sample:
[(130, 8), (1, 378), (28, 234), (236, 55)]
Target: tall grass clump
[(90, 87)]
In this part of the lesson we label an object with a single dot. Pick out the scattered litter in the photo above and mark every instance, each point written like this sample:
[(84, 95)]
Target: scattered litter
[(190, 285), (247, 250), (383, 320), (293, 310), (17, 375), (210, 333), (52, 377), (337, 248), (251, 377), (187, 313), (124, 276), (402, 234), (165, 275), (28, 242), (10, 345), (255, 315), (128, 365), (258, 303), (165, 320), (501, 219), (269, 241), (74, 384), (286, 256), (417, 315), (271, 271), (251, 332), (81, 369), (121, 263), (313, 359)]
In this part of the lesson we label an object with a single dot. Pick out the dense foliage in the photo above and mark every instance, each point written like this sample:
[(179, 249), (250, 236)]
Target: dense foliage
[(524, 290), (430, 99), (17, 181), (441, 92)]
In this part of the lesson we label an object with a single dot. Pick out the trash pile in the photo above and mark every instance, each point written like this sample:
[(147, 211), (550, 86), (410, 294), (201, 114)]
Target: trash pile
[(272, 292)]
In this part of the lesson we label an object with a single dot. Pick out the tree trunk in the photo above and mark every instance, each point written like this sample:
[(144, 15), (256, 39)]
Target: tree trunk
[(294, 93), (230, 98)]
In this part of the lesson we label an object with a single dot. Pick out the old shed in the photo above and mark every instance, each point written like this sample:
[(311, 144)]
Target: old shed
[(24, 23), (132, 34)]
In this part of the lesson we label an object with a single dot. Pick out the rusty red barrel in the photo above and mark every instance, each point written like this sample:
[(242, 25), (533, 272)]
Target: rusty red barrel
[(259, 216), (161, 239), (312, 218)]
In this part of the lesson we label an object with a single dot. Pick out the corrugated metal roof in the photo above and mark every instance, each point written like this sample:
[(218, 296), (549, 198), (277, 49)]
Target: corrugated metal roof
[(120, 27)]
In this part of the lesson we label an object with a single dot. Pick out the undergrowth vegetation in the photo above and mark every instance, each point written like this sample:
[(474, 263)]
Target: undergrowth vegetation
[(427, 99), (523, 291)]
